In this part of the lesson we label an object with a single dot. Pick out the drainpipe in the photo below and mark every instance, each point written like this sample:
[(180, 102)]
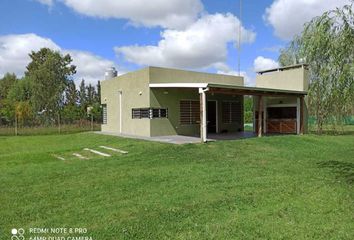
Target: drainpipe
[(203, 131)]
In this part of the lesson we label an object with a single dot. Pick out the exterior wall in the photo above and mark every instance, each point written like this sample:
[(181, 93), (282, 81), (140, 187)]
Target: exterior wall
[(135, 94), (166, 75), (291, 79), (170, 98)]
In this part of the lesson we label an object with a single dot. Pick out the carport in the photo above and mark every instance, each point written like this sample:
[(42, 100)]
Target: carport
[(260, 95), (262, 124)]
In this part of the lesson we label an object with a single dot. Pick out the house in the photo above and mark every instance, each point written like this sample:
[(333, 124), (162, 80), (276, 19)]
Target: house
[(158, 101)]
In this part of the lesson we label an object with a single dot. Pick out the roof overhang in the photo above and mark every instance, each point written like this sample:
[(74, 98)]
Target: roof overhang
[(178, 85), (231, 89)]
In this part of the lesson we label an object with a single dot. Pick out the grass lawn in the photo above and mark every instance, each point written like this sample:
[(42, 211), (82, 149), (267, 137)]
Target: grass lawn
[(281, 187)]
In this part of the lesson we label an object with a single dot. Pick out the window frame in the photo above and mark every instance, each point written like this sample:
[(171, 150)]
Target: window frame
[(230, 117), (104, 114), (192, 119), (149, 113)]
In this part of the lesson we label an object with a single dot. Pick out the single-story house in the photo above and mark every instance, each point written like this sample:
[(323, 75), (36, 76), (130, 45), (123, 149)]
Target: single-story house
[(158, 101)]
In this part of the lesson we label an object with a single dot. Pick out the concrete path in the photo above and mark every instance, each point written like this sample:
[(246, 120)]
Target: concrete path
[(179, 139)]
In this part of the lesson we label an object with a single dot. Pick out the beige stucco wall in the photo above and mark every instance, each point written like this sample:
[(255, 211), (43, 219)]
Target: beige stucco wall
[(166, 75), (170, 98), (135, 94), (292, 79)]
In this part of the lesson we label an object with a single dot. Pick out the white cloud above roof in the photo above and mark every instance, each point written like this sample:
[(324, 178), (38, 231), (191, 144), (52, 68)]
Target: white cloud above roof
[(200, 45), (14, 50), (262, 63), (287, 17)]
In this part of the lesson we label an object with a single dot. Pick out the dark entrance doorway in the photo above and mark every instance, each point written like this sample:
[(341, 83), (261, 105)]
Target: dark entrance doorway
[(211, 116)]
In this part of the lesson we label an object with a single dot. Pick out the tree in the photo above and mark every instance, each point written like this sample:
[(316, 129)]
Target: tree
[(49, 73), (6, 84), (71, 94), (7, 110), (327, 45)]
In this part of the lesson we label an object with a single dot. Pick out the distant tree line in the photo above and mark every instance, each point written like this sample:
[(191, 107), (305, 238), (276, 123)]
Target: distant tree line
[(327, 45), (46, 94)]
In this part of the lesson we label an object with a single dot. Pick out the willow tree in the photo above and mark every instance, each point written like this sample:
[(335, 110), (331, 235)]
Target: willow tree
[(327, 45)]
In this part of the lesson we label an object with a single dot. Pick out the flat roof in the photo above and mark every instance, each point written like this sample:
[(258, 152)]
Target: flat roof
[(232, 89), (284, 68)]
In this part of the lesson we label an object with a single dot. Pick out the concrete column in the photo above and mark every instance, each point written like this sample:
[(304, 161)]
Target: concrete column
[(265, 114), (260, 107), (254, 114), (302, 117), (203, 116), (298, 115)]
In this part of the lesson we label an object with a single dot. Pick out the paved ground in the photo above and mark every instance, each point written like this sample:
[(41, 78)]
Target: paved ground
[(179, 139)]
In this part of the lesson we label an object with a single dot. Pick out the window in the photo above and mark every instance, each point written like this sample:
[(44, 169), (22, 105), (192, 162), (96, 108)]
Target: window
[(189, 112), (138, 113), (104, 113), (231, 112), (159, 112)]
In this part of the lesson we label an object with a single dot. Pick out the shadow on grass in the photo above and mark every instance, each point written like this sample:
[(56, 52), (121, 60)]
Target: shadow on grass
[(343, 170)]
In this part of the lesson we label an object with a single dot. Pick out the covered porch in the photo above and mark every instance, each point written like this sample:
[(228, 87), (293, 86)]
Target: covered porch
[(268, 108)]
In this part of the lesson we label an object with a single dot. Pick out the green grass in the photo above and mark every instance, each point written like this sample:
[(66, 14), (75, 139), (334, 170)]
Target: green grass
[(281, 187)]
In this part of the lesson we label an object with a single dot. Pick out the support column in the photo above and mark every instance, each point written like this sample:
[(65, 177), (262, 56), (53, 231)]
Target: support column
[(264, 115), (302, 115), (203, 117), (298, 115), (254, 114), (260, 107), (201, 114)]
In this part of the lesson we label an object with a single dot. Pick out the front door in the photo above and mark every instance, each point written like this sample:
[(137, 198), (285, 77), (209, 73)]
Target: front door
[(211, 116)]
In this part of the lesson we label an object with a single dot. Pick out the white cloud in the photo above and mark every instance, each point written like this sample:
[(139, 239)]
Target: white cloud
[(262, 63), (200, 45), (222, 68), (287, 17), (168, 14), (89, 66), (14, 50), (46, 2)]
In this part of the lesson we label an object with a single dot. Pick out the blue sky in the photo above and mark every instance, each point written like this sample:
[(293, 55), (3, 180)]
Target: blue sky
[(191, 34)]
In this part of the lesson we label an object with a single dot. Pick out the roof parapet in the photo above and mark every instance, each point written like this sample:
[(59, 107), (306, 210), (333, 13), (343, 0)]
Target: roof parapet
[(303, 65)]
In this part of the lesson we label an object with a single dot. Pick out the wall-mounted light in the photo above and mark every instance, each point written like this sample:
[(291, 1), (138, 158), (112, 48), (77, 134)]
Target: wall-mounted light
[(165, 92), (140, 93)]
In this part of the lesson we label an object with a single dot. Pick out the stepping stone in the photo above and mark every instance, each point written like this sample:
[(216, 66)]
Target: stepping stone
[(58, 157), (97, 152), (80, 156), (114, 149)]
